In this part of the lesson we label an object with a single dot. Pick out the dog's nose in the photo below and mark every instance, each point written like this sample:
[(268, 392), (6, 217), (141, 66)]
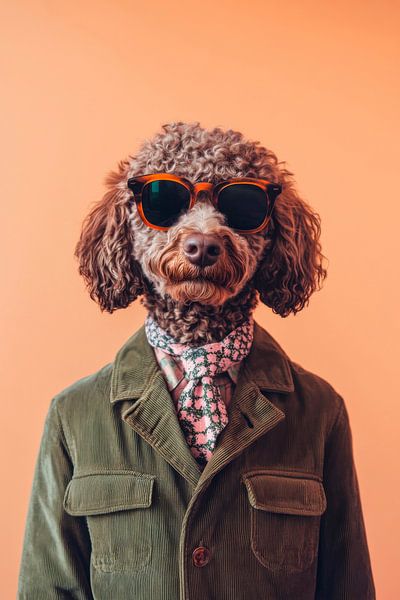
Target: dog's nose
[(202, 249)]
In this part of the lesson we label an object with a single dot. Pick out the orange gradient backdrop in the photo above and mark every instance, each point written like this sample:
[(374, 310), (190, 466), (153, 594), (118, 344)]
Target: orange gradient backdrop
[(84, 82)]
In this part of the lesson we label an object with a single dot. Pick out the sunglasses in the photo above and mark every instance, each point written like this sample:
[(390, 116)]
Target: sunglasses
[(245, 202)]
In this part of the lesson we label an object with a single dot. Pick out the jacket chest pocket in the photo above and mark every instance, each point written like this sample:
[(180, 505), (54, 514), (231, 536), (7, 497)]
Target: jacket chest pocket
[(117, 507), (286, 509)]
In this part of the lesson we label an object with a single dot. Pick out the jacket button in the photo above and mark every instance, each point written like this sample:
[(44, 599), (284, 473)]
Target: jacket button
[(200, 556)]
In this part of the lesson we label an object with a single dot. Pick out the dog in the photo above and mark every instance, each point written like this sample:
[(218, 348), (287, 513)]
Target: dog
[(202, 462)]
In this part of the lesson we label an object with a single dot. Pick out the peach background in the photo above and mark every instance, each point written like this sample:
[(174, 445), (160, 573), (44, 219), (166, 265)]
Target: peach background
[(84, 82)]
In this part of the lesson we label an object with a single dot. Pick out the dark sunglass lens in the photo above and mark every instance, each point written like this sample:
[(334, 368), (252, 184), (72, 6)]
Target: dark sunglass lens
[(163, 201), (244, 205)]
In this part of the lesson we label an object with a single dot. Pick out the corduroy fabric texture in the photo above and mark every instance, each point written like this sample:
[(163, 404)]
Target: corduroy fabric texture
[(120, 509)]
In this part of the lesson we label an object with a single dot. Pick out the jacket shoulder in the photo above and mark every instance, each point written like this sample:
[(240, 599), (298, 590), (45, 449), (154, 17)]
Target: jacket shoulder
[(317, 390), (306, 377), (82, 406), (94, 385)]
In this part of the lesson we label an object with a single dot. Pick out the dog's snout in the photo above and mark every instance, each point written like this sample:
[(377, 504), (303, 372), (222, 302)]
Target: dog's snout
[(202, 249)]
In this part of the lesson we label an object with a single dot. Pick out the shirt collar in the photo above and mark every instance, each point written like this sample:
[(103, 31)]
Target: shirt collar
[(267, 365)]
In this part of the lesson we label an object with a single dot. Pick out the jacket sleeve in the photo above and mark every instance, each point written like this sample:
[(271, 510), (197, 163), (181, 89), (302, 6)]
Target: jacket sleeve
[(344, 568), (56, 548)]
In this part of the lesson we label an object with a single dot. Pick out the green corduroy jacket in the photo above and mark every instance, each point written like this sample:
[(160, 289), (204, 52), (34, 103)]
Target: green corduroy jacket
[(120, 510)]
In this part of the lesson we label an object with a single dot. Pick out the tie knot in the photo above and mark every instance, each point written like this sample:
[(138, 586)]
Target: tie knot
[(198, 363)]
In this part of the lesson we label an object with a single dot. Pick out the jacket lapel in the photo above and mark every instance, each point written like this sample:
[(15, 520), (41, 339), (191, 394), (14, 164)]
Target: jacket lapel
[(150, 411), (251, 414)]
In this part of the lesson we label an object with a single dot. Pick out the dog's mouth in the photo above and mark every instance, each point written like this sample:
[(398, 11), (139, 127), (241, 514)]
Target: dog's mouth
[(201, 276), (200, 289)]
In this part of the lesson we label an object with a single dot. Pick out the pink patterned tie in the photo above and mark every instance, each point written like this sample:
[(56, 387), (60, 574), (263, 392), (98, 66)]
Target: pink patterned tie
[(200, 408)]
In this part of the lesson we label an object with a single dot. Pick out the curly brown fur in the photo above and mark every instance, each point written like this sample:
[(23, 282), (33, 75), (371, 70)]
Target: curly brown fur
[(199, 324), (121, 258), (104, 250)]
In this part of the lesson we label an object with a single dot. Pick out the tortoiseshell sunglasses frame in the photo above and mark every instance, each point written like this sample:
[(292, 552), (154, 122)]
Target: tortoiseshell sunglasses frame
[(136, 185)]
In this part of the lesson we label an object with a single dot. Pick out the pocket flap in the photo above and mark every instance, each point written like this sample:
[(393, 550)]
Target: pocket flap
[(108, 491), (282, 493)]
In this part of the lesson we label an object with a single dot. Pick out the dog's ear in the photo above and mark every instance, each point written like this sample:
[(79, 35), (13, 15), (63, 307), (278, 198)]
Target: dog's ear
[(104, 250), (291, 269)]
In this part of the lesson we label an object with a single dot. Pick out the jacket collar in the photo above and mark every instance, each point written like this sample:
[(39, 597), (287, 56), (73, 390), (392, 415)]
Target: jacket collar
[(140, 395), (267, 365)]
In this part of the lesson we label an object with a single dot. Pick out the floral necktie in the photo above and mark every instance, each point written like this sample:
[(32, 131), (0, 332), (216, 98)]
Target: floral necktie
[(200, 408)]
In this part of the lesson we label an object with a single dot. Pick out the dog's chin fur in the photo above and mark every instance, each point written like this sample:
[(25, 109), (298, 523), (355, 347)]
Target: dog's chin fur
[(197, 322), (203, 291)]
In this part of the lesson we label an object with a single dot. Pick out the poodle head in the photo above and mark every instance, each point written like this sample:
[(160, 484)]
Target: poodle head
[(120, 257)]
